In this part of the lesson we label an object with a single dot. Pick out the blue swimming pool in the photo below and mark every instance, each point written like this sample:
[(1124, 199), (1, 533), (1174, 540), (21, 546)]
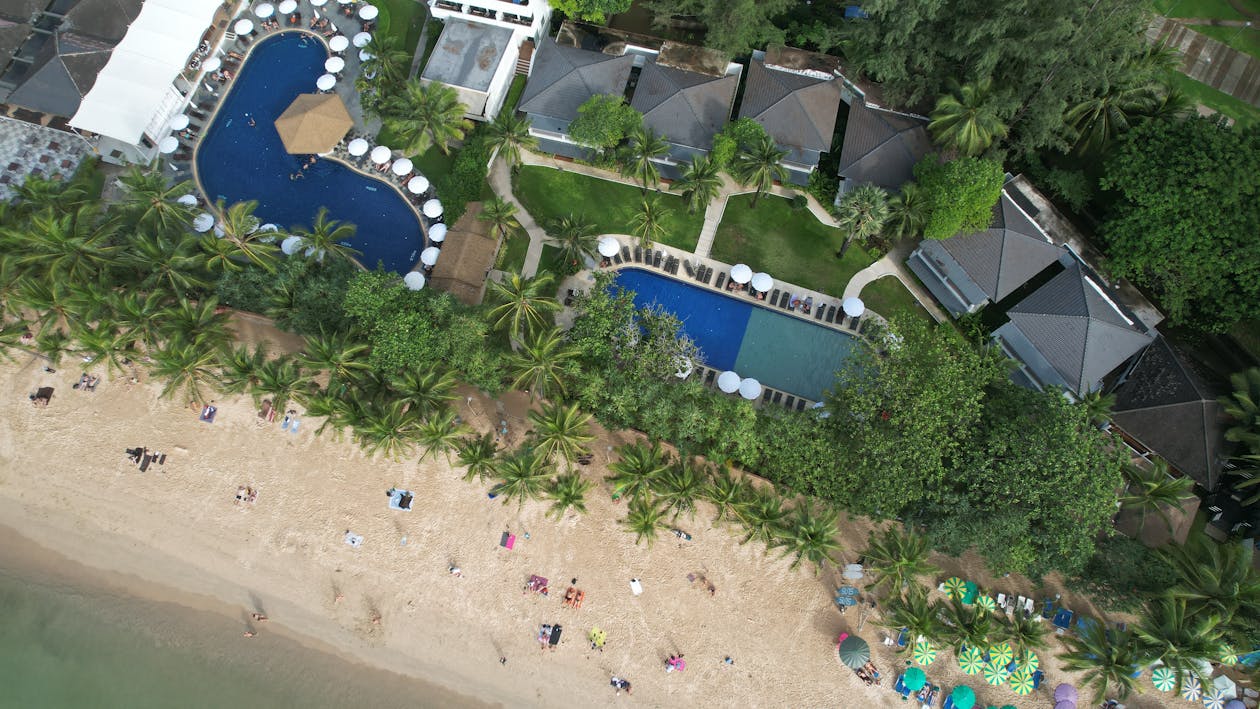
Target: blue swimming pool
[(237, 162), (781, 351)]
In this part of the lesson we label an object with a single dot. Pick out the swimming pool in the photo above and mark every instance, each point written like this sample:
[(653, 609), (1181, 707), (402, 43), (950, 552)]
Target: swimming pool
[(780, 351), (237, 162)]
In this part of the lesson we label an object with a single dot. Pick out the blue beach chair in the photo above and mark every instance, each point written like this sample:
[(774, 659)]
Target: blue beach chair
[(1063, 620)]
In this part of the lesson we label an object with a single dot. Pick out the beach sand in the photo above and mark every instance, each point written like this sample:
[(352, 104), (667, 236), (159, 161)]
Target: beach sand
[(177, 531)]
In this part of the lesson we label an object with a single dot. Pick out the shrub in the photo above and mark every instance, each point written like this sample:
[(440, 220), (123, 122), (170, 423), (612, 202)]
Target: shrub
[(467, 177)]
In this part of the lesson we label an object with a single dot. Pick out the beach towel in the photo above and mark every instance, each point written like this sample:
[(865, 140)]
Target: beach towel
[(635, 587), (354, 540), (208, 414), (507, 541), (555, 635), (294, 427)]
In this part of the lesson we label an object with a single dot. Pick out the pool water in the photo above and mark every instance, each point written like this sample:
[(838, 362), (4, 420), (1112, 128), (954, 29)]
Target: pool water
[(780, 351), (237, 162)]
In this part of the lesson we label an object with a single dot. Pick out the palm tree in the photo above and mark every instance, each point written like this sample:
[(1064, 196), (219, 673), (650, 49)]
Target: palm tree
[(914, 612), (967, 119), (69, 246), (240, 367), (104, 342), (137, 313), (1248, 469), (38, 194), (762, 516), (1179, 639), (385, 427), (1243, 406), (388, 64), (649, 222), (53, 343), (1022, 632), (907, 212), (811, 536), (643, 148), (198, 322), (1154, 490), (51, 302), (761, 165), (425, 115), (644, 517), (1107, 658), (561, 429), (424, 391), (862, 213), (187, 367), (679, 487), (502, 216), (240, 231), (325, 236), (510, 135), (523, 304), (476, 454), (282, 379), (700, 182), (340, 354), (441, 432), (1099, 120), (542, 363), (568, 491), (726, 492), (337, 410), (575, 238), (968, 626), (1097, 407), (523, 476), (151, 202), (1215, 578), (168, 262), (637, 468), (897, 557)]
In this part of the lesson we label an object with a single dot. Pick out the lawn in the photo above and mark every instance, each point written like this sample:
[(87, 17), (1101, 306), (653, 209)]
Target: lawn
[(1244, 39), (789, 244), (402, 19), (1211, 9), (1201, 93), (512, 256), (549, 194), (888, 297)]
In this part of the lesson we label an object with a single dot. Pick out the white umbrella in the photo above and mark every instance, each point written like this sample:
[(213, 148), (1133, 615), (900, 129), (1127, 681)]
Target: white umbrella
[(402, 166), (325, 82), (357, 147), (188, 199), (179, 122), (269, 227), (290, 245), (287, 6), (430, 255), (318, 3), (218, 231), (853, 306), (168, 145), (728, 382), (432, 209), (345, 2), (608, 246), (264, 10), (361, 39), (339, 43), (741, 273), (414, 280), (750, 388), (212, 64), (244, 26), (762, 282), (368, 12), (334, 65), (437, 233), (418, 184), (365, 55), (381, 154), (203, 222)]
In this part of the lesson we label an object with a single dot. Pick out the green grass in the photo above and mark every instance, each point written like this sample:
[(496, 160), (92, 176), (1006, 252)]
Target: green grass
[(1211, 9), (1200, 93), (1244, 39), (512, 256), (514, 93), (788, 244), (402, 19), (549, 194), (888, 297)]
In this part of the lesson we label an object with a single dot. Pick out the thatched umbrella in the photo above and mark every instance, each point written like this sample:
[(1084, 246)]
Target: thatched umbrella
[(313, 123)]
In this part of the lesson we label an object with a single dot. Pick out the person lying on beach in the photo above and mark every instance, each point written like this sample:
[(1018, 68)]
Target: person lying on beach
[(258, 617), (240, 494)]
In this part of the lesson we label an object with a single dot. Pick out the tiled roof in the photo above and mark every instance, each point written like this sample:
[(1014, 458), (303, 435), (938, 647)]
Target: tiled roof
[(1007, 255), (798, 111), (881, 147), (684, 107), (563, 78)]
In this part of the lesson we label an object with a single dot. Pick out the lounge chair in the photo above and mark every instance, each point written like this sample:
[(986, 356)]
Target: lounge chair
[(647, 256), (789, 401), (554, 640), (1063, 620), (617, 259), (1028, 608), (691, 271), (786, 300), (778, 397), (800, 404), (708, 378), (638, 254), (721, 281), (831, 313), (774, 297), (822, 310), (625, 254), (708, 274), (145, 461), (903, 638), (656, 260)]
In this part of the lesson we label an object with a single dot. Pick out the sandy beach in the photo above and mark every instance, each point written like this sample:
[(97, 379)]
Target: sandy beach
[(178, 532)]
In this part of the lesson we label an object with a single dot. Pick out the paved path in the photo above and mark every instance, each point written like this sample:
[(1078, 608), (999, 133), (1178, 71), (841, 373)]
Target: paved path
[(893, 265), (1204, 59), (501, 183), (420, 45)]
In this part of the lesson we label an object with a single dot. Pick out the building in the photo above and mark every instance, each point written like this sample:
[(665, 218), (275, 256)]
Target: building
[(881, 147), (561, 79), (795, 95), (480, 46)]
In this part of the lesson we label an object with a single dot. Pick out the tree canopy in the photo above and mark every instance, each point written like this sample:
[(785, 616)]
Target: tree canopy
[(1186, 218), (604, 121), (596, 11), (732, 26), (960, 194)]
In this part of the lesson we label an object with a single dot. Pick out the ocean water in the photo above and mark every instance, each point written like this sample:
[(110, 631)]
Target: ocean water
[(67, 644)]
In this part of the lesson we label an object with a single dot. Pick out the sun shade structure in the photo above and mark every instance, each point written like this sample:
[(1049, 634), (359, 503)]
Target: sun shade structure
[(430, 255), (290, 245), (179, 122), (368, 12), (333, 65), (357, 147), (325, 82), (339, 43), (1164, 679), (854, 652), (418, 184), (750, 388), (381, 154), (963, 697), (313, 123), (203, 222), (762, 282), (287, 6), (1065, 693), (608, 247), (1191, 690), (853, 306), (994, 674), (924, 653), (414, 280), (264, 10), (728, 382), (212, 64), (243, 26), (1022, 683), (361, 39), (1001, 654), (432, 209), (188, 200), (971, 661), (740, 273), (437, 233), (402, 166)]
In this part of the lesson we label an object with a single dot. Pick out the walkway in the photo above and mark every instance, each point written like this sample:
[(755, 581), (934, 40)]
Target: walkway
[(893, 265), (1204, 59)]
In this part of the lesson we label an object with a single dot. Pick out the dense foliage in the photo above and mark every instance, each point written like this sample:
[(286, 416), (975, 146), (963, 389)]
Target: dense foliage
[(959, 194), (732, 26), (301, 296), (604, 121), (467, 179), (591, 10)]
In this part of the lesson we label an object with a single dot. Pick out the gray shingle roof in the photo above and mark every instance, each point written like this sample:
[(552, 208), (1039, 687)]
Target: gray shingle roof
[(12, 35), (21, 10), (1172, 409), (1001, 259), (563, 78), (63, 73), (106, 19), (1079, 332), (685, 107), (798, 111), (881, 147)]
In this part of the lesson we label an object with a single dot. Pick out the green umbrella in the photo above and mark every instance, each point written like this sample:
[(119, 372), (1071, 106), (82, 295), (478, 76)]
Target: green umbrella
[(963, 697), (995, 674), (970, 589), (1028, 660), (954, 587), (1001, 654), (1022, 683), (987, 603), (914, 679), (1008, 706), (924, 653), (854, 652), (1228, 655), (971, 661), (1164, 679)]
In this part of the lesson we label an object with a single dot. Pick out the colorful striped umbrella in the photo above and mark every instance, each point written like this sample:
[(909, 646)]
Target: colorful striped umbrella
[(995, 674), (1001, 654), (987, 603), (1022, 683), (1215, 698), (971, 661), (1191, 690), (1028, 660), (924, 653), (954, 587), (1164, 679), (1228, 655)]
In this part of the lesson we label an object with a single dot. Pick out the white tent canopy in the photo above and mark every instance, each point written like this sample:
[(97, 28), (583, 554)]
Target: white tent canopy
[(132, 88), (728, 382)]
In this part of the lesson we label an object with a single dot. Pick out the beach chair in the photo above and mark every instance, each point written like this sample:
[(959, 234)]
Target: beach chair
[(778, 396), (656, 259), (625, 254), (638, 254), (822, 310), (765, 396), (903, 638), (789, 401), (691, 271), (800, 404), (708, 275), (1063, 620), (617, 259), (1038, 676), (708, 378), (901, 688), (1028, 608), (721, 281), (1001, 601), (774, 297), (1047, 608)]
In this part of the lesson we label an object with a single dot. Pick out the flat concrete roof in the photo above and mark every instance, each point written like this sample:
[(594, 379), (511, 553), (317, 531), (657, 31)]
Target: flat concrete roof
[(467, 54)]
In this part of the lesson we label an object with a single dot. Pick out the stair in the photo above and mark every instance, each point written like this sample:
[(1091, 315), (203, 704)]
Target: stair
[(525, 59)]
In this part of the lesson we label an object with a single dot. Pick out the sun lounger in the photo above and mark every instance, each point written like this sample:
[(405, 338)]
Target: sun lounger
[(1028, 607), (708, 378), (647, 256), (778, 396), (638, 254), (903, 637), (691, 271), (554, 640), (831, 313), (708, 275), (635, 587), (789, 401), (774, 297), (1047, 608), (656, 259), (145, 461), (800, 404), (617, 259), (822, 310), (765, 396), (625, 254), (208, 413), (786, 301), (721, 281), (1063, 620)]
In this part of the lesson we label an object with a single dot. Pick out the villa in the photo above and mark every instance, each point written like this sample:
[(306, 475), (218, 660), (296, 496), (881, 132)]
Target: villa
[(481, 45), (881, 147)]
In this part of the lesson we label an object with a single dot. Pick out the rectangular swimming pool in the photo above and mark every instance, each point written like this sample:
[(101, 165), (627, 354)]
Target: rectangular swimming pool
[(781, 351)]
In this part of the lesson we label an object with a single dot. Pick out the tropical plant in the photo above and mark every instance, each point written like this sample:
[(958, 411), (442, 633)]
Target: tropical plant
[(726, 492), (424, 114), (137, 314), (1247, 468), (151, 201), (700, 182), (967, 119), (575, 238), (907, 212), (441, 432), (523, 475), (44, 193), (340, 354), (760, 164), (385, 427), (1097, 121), (560, 429), (679, 487), (501, 214), (1106, 657), (1154, 490), (541, 363), (1216, 578), (649, 222), (72, 246), (198, 322), (897, 557), (1097, 406), (1179, 638), (169, 262), (637, 469), (810, 535), (968, 626), (241, 238), (388, 64), (187, 368), (762, 516), (477, 455), (324, 237), (1243, 406), (104, 342), (639, 156), (861, 213), (240, 366), (645, 518), (568, 492), (1024, 633), (424, 390), (522, 304), (510, 135), (913, 611), (281, 378)]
